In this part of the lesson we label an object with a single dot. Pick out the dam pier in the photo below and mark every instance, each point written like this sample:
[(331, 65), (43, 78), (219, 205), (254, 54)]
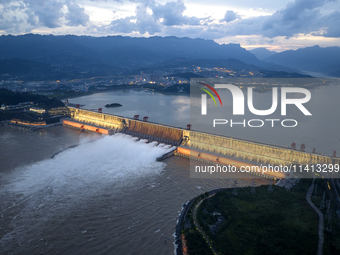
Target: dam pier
[(196, 145)]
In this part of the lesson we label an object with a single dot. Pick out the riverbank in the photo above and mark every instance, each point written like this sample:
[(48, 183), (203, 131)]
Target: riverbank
[(31, 126), (270, 219), (181, 220), (173, 90)]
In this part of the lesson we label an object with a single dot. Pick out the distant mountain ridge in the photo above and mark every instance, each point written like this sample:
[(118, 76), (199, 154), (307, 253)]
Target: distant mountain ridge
[(315, 59), (262, 53), (70, 56), (115, 49), (114, 54)]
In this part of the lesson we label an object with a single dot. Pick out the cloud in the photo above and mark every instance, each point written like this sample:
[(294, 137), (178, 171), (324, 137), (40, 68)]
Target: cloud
[(7, 24), (76, 15), (316, 17), (333, 19), (10, 23), (48, 12), (230, 16), (171, 14), (297, 17), (143, 22), (40, 13), (152, 18)]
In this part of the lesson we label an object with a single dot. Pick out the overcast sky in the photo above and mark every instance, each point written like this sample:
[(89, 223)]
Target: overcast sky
[(274, 24)]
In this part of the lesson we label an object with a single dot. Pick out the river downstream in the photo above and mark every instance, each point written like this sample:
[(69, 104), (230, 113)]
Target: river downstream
[(105, 196)]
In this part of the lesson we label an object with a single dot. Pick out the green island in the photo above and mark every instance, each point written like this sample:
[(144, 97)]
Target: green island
[(260, 220), (113, 105)]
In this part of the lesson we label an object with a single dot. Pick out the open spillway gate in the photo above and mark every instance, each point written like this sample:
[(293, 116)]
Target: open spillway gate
[(108, 124)]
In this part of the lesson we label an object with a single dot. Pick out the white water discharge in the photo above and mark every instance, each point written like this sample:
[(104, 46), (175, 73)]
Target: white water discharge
[(86, 168), (59, 185)]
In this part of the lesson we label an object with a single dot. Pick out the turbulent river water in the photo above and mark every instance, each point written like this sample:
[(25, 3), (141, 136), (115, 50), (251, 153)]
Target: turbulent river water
[(108, 195)]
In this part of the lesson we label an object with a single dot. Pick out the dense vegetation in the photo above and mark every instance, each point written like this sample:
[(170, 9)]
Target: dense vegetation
[(196, 244), (331, 239), (278, 222), (27, 70), (264, 223), (8, 97)]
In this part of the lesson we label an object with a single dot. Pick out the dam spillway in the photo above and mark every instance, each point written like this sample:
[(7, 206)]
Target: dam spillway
[(155, 132), (195, 142)]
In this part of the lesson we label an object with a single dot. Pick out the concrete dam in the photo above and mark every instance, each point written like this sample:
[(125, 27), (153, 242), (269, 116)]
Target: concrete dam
[(120, 124), (210, 148)]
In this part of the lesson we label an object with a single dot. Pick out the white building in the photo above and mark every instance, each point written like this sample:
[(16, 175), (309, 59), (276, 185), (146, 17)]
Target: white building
[(38, 110)]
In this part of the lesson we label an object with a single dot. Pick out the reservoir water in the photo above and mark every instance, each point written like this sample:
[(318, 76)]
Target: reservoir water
[(319, 131)]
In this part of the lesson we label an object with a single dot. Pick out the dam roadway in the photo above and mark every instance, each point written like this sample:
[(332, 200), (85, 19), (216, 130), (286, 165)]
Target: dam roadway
[(205, 147)]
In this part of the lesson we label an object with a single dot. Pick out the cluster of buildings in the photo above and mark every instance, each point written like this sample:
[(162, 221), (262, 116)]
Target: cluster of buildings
[(171, 77), (219, 72), (23, 106), (17, 106)]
